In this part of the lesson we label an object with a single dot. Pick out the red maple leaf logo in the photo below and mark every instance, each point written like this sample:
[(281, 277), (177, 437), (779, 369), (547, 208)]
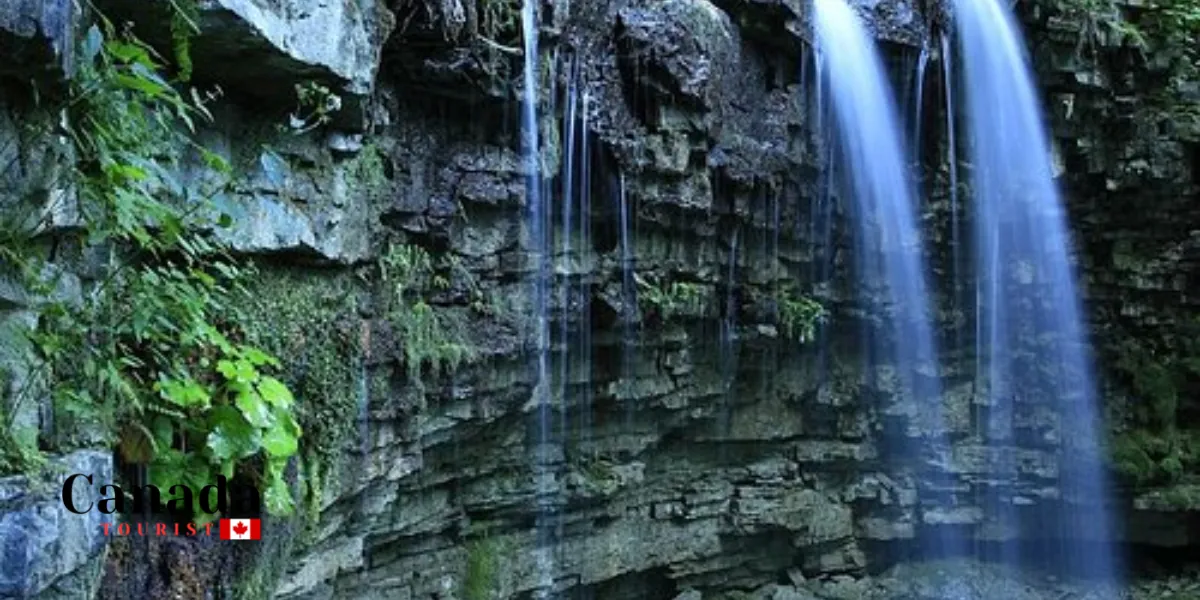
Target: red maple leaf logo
[(240, 528)]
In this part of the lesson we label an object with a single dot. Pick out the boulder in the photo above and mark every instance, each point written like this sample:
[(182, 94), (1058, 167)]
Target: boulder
[(43, 544)]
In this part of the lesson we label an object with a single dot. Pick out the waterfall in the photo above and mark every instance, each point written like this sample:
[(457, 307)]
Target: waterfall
[(583, 189), (888, 254), (565, 250), (539, 221), (822, 213), (727, 342), (919, 99), (629, 308), (1030, 324), (952, 166)]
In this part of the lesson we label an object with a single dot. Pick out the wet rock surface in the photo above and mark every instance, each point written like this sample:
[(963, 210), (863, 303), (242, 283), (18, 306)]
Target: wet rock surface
[(683, 474), (37, 38), (955, 579), (47, 551)]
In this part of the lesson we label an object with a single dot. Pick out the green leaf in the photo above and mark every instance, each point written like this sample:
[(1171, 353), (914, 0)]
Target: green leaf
[(253, 408), (240, 371), (164, 432), (230, 436), (125, 52), (275, 393), (184, 392), (259, 358), (278, 441)]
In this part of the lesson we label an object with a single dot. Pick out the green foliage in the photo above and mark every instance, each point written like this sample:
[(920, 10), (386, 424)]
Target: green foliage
[(185, 19), (18, 449), (315, 106), (429, 338), (1164, 32), (1144, 458), (798, 315), (671, 300), (1157, 449), (153, 359), (367, 170), (482, 578), (310, 320)]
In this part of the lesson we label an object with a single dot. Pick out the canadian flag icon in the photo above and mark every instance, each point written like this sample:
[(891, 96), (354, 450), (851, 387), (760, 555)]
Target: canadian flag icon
[(240, 529)]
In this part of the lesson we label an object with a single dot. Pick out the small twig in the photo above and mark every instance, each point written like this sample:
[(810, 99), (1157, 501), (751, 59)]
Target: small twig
[(500, 47)]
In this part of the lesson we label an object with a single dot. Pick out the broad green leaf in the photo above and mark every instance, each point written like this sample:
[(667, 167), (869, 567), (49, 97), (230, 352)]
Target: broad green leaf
[(278, 441), (240, 371), (275, 393), (164, 432), (138, 84), (230, 436), (253, 408), (184, 392), (125, 52), (259, 358)]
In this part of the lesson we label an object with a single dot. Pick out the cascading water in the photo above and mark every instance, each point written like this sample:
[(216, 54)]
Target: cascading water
[(1030, 323), (565, 252), (629, 309), (952, 168), (538, 224), (888, 242), (727, 344), (919, 98), (584, 193), (822, 212)]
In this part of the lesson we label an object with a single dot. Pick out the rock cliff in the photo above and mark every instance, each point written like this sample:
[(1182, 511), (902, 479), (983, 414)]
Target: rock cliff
[(698, 445)]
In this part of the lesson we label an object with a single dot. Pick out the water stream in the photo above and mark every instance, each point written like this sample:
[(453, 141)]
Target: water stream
[(888, 253), (1033, 342)]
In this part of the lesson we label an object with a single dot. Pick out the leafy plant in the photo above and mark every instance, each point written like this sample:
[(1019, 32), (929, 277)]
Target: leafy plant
[(670, 300), (185, 19), (428, 337), (483, 567), (316, 105), (153, 358), (1164, 32), (798, 315)]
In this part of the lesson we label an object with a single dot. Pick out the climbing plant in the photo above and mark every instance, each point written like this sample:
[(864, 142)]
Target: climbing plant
[(153, 357)]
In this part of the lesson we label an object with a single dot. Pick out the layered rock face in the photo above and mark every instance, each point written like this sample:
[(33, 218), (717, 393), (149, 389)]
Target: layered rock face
[(701, 449)]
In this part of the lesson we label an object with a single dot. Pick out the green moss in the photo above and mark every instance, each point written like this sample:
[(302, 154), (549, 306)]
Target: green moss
[(367, 170), (308, 320), (485, 556), (1156, 449), (1143, 457), (430, 338)]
